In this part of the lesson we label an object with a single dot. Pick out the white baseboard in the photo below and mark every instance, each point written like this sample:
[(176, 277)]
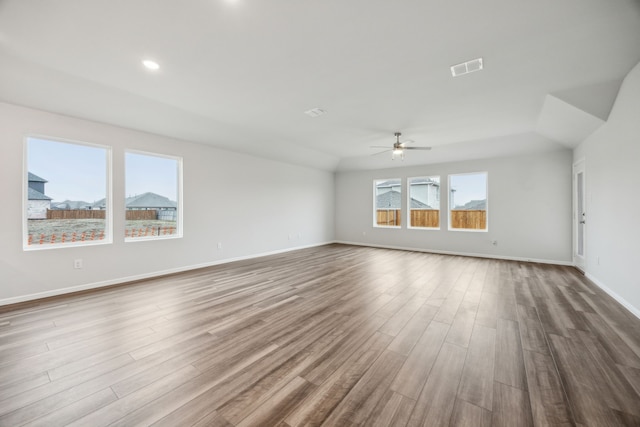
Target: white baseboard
[(613, 295), (121, 280), (469, 254)]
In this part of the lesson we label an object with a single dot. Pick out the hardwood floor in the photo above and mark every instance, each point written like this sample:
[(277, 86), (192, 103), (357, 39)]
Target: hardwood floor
[(334, 336)]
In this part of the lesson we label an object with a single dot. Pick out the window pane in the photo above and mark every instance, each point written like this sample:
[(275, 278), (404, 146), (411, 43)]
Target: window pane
[(388, 202), (66, 194), (424, 202), (152, 196), (468, 201)]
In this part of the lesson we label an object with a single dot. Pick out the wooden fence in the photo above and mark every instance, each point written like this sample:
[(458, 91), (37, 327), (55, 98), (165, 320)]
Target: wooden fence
[(136, 215), (388, 217), (425, 218), (471, 220), (75, 214), (132, 215)]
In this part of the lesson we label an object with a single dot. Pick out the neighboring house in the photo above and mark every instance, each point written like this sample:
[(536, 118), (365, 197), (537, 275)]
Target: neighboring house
[(166, 208), (426, 190), (70, 204), (390, 185), (148, 201), (393, 200), (389, 195), (37, 201), (473, 205)]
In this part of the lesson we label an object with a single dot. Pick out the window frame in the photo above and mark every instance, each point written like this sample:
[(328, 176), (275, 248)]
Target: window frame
[(375, 207), (449, 207), (439, 209), (108, 225), (179, 191)]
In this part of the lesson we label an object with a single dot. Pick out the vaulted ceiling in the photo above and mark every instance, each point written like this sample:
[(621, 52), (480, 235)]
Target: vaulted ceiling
[(240, 74)]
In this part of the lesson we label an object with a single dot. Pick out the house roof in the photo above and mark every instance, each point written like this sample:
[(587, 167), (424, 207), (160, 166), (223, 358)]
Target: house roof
[(35, 178), (389, 183), (393, 200), (473, 205), (149, 200), (70, 204), (420, 181), (374, 67), (36, 195)]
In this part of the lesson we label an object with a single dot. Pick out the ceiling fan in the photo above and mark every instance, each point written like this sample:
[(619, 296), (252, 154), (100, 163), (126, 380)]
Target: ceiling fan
[(397, 150)]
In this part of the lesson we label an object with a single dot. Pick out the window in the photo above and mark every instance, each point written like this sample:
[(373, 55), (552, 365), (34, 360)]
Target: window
[(424, 202), (387, 202), (152, 204), (67, 195), (468, 201)]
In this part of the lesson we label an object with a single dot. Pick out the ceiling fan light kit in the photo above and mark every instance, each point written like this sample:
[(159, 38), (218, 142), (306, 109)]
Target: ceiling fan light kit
[(397, 150)]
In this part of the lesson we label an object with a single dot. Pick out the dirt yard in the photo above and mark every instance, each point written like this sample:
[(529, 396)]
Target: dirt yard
[(50, 231)]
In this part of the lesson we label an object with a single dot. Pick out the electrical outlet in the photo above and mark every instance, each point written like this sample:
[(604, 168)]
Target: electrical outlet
[(299, 236), (494, 242), (219, 245), (77, 264)]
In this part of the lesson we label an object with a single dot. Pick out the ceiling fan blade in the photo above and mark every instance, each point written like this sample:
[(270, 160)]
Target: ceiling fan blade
[(417, 148), (380, 152), (380, 146)]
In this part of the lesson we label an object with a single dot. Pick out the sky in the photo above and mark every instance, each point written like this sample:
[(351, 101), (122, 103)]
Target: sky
[(468, 187), (150, 174), (79, 172)]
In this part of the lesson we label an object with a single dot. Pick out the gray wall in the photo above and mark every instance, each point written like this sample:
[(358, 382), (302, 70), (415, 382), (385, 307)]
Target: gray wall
[(529, 209), (251, 205), (612, 156)]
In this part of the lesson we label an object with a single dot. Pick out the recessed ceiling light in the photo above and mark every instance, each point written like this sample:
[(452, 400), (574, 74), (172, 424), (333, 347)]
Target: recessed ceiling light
[(466, 67), (315, 112), (151, 65)]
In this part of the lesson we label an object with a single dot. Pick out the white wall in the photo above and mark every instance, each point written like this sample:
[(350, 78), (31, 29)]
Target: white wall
[(612, 160), (249, 204), (529, 209)]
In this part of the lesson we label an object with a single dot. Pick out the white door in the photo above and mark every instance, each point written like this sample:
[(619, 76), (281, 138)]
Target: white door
[(579, 215)]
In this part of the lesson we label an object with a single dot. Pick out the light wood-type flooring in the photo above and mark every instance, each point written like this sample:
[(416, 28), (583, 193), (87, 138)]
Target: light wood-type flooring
[(335, 336)]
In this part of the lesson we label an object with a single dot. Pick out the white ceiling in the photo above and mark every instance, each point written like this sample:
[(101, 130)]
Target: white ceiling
[(239, 74)]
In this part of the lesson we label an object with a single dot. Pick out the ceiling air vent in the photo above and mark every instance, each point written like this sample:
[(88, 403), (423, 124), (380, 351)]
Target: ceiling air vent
[(466, 67), (315, 112)]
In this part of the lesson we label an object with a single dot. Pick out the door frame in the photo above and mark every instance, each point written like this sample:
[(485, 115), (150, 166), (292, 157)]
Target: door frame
[(579, 261)]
